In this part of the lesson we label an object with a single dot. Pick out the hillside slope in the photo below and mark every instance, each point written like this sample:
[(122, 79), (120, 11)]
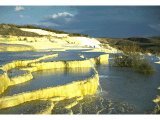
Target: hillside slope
[(14, 31), (146, 45), (40, 38)]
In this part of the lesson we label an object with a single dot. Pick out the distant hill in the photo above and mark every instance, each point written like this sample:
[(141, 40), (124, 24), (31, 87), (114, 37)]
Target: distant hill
[(139, 40), (149, 44), (12, 29), (7, 29)]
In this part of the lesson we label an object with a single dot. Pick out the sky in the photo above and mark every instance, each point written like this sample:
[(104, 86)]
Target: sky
[(96, 21)]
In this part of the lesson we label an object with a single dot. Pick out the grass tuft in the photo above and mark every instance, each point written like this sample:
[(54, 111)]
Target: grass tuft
[(131, 58)]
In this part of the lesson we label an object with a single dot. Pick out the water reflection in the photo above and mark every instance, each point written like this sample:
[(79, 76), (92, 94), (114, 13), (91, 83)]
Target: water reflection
[(125, 85), (50, 78)]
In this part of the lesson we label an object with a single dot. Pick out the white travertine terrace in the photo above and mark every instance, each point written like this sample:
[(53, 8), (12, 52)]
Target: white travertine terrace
[(44, 32), (87, 86)]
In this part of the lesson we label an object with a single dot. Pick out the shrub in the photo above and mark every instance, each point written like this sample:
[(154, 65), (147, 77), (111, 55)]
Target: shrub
[(156, 109), (78, 34), (144, 67), (131, 58), (122, 61)]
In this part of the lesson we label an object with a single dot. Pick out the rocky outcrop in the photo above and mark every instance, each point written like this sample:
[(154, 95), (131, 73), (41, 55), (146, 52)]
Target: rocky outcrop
[(21, 78), (80, 88), (15, 47), (102, 59), (31, 107), (4, 81), (77, 89)]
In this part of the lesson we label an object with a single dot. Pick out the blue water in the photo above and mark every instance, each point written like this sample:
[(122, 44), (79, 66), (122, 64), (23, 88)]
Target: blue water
[(118, 84), (125, 85), (6, 57), (50, 78)]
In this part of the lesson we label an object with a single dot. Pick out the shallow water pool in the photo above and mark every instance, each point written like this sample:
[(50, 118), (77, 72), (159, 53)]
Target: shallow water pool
[(50, 78), (125, 85)]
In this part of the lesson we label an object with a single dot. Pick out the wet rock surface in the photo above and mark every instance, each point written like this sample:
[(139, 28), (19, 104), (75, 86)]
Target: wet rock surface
[(16, 72), (121, 87), (93, 105), (32, 107)]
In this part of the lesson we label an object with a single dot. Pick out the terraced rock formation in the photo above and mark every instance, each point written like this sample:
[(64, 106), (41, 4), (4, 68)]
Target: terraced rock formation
[(18, 72)]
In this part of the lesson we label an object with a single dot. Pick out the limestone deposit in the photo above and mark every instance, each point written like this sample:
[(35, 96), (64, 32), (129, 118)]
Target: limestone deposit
[(157, 100), (4, 82), (31, 107), (102, 59), (15, 47), (35, 65), (49, 41), (80, 88), (158, 62), (21, 79)]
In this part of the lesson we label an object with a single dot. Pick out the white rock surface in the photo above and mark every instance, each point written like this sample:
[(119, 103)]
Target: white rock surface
[(88, 42), (44, 32), (80, 41)]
